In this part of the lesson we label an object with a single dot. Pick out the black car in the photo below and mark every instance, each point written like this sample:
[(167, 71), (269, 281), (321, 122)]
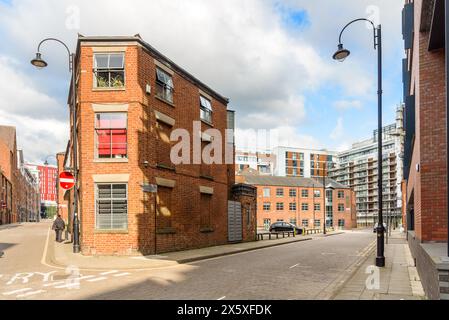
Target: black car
[(281, 226)]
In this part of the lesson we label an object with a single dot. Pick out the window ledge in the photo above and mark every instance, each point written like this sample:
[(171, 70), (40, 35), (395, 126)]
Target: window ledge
[(110, 231), (207, 230), (111, 160), (166, 231), (163, 166), (109, 89), (207, 123), (206, 177), (165, 101)]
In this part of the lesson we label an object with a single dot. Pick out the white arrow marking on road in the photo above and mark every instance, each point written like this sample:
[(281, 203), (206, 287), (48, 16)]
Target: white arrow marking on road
[(30, 293), (122, 274), (109, 272), (221, 298), (294, 266), (16, 291), (97, 279)]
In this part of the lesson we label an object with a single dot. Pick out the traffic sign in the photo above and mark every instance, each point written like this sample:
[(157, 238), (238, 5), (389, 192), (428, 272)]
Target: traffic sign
[(66, 180)]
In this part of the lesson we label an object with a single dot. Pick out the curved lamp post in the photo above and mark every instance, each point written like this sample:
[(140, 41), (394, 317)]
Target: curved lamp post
[(41, 63), (46, 159), (340, 55)]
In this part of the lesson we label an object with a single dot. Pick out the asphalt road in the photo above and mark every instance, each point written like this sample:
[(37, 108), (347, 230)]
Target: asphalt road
[(300, 270)]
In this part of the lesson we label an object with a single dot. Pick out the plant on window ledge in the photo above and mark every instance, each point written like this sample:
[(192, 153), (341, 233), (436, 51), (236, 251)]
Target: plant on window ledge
[(117, 82), (102, 82)]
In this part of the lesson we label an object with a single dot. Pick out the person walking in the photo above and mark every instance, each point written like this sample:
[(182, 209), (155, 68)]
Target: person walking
[(58, 226)]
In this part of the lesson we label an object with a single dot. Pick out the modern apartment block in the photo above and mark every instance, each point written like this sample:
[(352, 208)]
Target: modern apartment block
[(425, 170), (301, 202), (357, 168), (264, 163), (130, 100), (305, 163)]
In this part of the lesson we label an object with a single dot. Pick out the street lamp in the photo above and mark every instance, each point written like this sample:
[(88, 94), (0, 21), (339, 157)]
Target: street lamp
[(41, 63), (341, 54)]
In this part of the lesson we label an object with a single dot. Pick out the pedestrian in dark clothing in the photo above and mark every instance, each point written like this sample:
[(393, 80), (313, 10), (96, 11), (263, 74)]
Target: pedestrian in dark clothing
[(58, 226)]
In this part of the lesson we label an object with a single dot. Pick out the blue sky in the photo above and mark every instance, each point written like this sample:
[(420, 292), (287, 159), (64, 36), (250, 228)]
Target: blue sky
[(272, 58)]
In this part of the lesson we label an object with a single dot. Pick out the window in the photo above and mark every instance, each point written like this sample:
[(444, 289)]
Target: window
[(109, 70), (292, 206), (279, 206), (164, 85), (341, 207), (266, 206), (205, 109), (266, 192), (317, 193), (341, 223), (317, 206), (305, 223), (111, 206), (304, 193), (341, 194), (111, 135), (317, 223), (205, 218), (279, 192), (292, 193), (164, 208), (164, 144), (305, 207), (293, 221), (266, 223)]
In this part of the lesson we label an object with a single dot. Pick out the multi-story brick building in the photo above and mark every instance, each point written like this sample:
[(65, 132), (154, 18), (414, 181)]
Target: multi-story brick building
[(19, 199), (301, 201), (130, 100), (357, 168), (425, 155), (300, 162)]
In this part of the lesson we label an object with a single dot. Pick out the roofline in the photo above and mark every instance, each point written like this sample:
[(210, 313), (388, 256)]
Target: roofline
[(157, 54)]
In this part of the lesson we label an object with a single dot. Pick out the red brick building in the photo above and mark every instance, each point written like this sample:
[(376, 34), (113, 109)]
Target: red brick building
[(425, 143), (130, 99), (300, 201)]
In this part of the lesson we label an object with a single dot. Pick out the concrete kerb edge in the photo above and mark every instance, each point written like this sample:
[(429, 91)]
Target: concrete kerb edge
[(51, 261), (356, 265)]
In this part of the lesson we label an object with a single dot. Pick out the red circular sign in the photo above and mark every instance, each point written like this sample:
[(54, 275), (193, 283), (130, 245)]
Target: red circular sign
[(66, 180)]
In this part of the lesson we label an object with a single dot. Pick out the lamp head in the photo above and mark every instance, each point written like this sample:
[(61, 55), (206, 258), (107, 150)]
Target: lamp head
[(341, 53), (38, 61)]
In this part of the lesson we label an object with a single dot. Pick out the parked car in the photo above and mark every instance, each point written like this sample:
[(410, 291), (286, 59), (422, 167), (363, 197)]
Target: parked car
[(375, 227), (281, 226)]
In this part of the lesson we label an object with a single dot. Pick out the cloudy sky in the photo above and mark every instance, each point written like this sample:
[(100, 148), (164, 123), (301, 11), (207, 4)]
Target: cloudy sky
[(271, 58)]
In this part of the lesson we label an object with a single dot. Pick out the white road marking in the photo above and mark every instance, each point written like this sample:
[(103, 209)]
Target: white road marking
[(221, 298), (76, 284), (97, 279), (30, 293), (16, 291), (108, 272), (54, 283), (44, 254), (85, 277), (294, 266), (328, 253), (122, 274)]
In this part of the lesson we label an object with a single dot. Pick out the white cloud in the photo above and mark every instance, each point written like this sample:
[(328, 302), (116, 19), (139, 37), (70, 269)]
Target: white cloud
[(348, 104), (338, 131)]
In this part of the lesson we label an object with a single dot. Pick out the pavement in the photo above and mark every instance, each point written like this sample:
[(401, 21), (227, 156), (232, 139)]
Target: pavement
[(398, 280)]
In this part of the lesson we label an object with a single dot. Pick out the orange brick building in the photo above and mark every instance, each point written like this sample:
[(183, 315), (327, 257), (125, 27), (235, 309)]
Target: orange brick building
[(300, 201), (130, 99), (425, 155)]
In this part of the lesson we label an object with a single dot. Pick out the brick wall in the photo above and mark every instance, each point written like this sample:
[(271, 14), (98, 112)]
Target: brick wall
[(143, 164)]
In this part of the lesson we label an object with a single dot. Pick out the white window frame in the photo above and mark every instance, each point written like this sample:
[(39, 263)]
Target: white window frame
[(96, 184)]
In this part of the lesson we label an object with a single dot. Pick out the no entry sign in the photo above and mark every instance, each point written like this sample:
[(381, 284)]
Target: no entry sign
[(66, 180)]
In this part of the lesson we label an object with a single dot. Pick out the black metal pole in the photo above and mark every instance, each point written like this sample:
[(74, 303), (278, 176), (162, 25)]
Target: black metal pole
[(380, 259), (446, 10), (76, 222)]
